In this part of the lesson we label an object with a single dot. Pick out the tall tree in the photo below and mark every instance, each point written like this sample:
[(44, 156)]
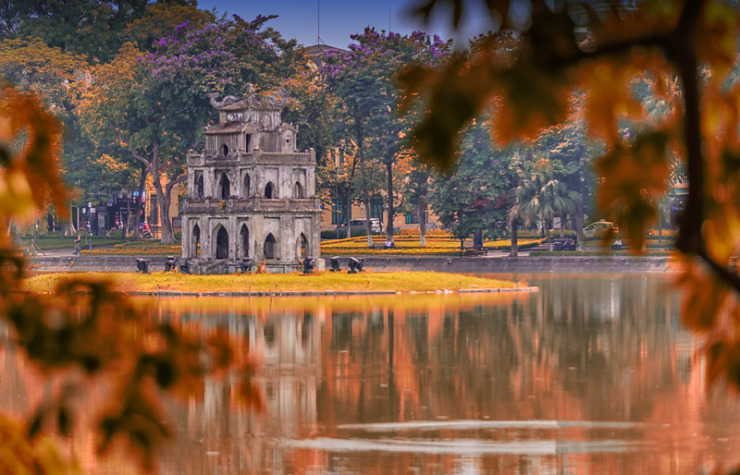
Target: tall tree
[(155, 105), (365, 79), (541, 195), (474, 197)]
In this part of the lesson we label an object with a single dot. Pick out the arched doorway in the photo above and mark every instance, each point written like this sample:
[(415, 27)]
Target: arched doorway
[(269, 192), (301, 248), (246, 186), (195, 242), (224, 186), (244, 240), (270, 247), (297, 190), (222, 243)]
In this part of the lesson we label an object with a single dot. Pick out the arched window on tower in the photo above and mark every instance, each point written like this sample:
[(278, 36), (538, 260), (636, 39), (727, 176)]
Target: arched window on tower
[(244, 240), (247, 187), (199, 184), (270, 192), (224, 186), (298, 190), (301, 250), (225, 150)]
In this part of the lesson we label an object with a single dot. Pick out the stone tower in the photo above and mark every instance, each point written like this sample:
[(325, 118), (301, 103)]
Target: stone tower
[(250, 193)]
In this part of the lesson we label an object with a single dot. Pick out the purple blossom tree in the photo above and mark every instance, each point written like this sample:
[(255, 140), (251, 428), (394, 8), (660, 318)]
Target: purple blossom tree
[(366, 79)]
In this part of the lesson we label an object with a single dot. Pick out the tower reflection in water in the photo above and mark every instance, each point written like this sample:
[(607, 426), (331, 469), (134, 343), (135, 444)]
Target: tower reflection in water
[(588, 374)]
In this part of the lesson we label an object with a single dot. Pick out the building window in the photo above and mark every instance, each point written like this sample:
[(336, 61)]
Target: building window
[(376, 207), (269, 192), (248, 143), (337, 210), (225, 150)]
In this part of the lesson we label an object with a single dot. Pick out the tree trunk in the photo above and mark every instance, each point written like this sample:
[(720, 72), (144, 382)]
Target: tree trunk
[(348, 215), (422, 223), (547, 233), (514, 239), (162, 200), (578, 222), (137, 211), (124, 222), (367, 222), (69, 229), (365, 197), (391, 217), (562, 225)]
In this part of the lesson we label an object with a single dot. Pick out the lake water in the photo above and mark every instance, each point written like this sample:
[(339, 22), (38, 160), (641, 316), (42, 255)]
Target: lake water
[(592, 374)]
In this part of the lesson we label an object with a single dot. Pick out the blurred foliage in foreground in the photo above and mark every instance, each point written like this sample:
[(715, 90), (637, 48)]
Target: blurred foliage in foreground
[(87, 334), (686, 52)]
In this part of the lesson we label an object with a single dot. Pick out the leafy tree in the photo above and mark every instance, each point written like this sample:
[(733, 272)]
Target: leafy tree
[(416, 188), (364, 78), (474, 196), (694, 40), (154, 106), (86, 328), (540, 195), (95, 29)]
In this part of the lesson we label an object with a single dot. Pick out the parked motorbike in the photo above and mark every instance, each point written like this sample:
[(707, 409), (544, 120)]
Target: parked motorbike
[(146, 233)]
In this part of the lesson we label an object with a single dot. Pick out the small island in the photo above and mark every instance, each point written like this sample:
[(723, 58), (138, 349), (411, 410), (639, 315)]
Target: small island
[(318, 283)]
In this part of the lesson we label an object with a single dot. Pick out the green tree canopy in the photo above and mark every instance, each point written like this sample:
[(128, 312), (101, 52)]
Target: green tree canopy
[(693, 41)]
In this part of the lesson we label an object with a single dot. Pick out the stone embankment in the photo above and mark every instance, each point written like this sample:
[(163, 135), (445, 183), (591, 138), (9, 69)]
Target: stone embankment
[(469, 265)]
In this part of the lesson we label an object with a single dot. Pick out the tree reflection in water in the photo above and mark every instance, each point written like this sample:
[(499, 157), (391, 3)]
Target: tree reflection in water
[(592, 373)]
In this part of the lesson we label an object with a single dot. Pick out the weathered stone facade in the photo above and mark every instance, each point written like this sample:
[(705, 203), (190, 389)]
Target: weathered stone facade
[(250, 193)]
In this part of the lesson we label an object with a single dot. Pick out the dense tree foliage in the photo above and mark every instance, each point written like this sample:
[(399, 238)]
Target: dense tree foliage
[(476, 195), (365, 79), (694, 42)]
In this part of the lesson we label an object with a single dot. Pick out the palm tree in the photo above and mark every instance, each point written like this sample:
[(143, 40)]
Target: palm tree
[(541, 196)]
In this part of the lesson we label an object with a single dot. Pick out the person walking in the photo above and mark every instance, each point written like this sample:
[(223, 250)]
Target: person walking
[(77, 244)]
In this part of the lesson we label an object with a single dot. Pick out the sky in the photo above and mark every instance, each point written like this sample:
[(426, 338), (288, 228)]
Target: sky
[(339, 19)]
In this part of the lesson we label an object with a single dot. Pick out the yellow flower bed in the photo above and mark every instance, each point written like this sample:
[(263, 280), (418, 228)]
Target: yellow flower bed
[(412, 247), (431, 233)]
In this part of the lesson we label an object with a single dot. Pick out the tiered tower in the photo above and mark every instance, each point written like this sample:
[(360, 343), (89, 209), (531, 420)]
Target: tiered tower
[(251, 195)]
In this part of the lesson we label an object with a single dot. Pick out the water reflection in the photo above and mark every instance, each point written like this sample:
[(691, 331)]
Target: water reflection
[(591, 374)]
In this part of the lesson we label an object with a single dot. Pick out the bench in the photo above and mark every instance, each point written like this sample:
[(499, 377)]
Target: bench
[(475, 251)]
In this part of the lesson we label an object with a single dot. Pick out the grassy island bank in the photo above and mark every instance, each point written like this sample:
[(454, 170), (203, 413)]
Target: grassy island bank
[(324, 282)]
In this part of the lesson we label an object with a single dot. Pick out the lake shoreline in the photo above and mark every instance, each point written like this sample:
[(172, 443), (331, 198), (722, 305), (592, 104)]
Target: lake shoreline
[(394, 263)]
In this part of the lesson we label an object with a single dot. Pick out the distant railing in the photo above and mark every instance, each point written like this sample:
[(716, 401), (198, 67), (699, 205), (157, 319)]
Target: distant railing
[(266, 158), (230, 205)]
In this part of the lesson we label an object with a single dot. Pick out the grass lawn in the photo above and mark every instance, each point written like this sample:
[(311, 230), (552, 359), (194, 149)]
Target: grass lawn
[(322, 281), (47, 243)]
